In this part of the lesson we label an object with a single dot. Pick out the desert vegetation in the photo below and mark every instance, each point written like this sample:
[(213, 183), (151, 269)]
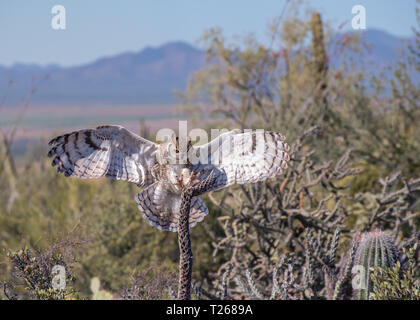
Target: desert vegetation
[(341, 223)]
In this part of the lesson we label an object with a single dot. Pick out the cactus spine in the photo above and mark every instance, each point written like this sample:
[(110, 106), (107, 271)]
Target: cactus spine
[(375, 249)]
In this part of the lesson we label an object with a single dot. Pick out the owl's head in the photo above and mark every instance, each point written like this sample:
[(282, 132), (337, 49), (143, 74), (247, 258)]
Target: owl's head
[(174, 150)]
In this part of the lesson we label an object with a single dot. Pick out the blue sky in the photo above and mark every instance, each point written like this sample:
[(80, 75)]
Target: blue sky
[(102, 28)]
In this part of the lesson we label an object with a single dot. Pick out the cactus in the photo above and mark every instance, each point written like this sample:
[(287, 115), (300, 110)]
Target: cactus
[(318, 51), (345, 272), (184, 239), (375, 249), (97, 292)]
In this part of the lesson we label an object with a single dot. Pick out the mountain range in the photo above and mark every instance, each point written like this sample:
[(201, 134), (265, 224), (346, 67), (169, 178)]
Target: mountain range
[(149, 76)]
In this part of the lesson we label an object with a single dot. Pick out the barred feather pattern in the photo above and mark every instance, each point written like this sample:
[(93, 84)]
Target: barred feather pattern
[(110, 151), (243, 157), (160, 207)]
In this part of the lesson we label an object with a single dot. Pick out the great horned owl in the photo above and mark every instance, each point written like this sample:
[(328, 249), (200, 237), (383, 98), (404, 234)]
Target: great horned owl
[(164, 170)]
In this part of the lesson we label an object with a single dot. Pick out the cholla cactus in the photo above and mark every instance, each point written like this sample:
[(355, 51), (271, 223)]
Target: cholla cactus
[(39, 274), (375, 249)]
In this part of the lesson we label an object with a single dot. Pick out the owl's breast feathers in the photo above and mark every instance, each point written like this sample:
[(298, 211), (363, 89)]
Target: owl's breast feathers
[(176, 177)]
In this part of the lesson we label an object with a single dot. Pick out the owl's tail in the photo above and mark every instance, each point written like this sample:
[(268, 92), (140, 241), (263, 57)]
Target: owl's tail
[(160, 207)]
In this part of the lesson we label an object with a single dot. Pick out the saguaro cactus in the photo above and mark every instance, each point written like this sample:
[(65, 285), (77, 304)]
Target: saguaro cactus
[(318, 51), (375, 249), (320, 66)]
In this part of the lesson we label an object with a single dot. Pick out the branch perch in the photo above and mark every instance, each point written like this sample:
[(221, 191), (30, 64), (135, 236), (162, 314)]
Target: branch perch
[(184, 239)]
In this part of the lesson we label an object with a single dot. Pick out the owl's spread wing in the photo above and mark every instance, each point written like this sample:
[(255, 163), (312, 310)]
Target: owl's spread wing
[(242, 157), (110, 151)]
